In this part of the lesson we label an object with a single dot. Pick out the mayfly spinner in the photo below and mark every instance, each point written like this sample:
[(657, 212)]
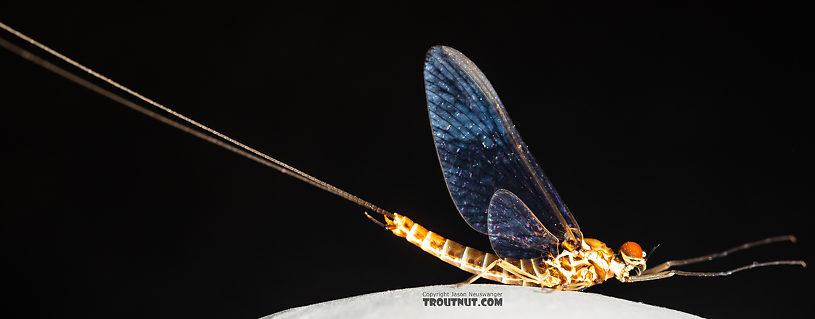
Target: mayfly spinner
[(497, 186)]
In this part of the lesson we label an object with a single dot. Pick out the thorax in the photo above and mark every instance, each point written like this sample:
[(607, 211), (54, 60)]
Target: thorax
[(591, 263)]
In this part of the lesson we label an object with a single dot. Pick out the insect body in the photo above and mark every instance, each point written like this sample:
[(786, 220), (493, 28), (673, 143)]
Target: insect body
[(571, 269)]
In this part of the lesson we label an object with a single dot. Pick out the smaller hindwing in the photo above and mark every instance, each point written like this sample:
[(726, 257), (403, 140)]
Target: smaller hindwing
[(514, 230)]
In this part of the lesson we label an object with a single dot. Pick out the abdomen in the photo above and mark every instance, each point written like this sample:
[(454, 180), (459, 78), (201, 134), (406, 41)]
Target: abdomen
[(465, 258)]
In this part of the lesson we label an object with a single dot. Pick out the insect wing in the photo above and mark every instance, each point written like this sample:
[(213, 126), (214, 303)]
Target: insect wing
[(479, 149), (514, 230)]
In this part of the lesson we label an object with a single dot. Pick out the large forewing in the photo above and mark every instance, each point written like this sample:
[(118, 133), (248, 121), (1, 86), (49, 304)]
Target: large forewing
[(514, 230), (479, 149)]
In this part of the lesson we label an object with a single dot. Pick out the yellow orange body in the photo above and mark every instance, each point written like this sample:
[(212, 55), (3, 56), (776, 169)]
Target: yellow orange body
[(571, 269)]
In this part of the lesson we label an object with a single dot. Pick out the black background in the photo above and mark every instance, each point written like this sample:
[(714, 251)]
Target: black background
[(685, 126)]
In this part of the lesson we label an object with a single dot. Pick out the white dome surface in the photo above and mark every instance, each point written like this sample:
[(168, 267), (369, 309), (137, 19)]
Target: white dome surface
[(515, 302)]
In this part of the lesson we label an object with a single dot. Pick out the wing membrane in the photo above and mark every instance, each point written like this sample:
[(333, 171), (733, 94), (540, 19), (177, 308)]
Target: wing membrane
[(479, 149), (514, 230)]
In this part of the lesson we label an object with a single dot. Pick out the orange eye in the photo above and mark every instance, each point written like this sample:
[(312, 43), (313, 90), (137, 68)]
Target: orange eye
[(631, 249)]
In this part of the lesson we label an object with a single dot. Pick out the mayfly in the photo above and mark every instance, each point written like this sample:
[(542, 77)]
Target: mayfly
[(495, 183)]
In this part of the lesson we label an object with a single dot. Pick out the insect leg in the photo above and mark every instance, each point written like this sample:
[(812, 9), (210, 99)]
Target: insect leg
[(668, 264), (520, 273), (578, 286), (670, 273), (479, 275)]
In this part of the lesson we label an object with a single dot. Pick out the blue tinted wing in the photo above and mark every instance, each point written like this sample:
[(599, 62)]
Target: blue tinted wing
[(514, 230), (479, 149)]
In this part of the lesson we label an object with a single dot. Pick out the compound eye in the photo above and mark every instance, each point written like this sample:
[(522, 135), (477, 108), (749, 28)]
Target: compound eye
[(631, 249)]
